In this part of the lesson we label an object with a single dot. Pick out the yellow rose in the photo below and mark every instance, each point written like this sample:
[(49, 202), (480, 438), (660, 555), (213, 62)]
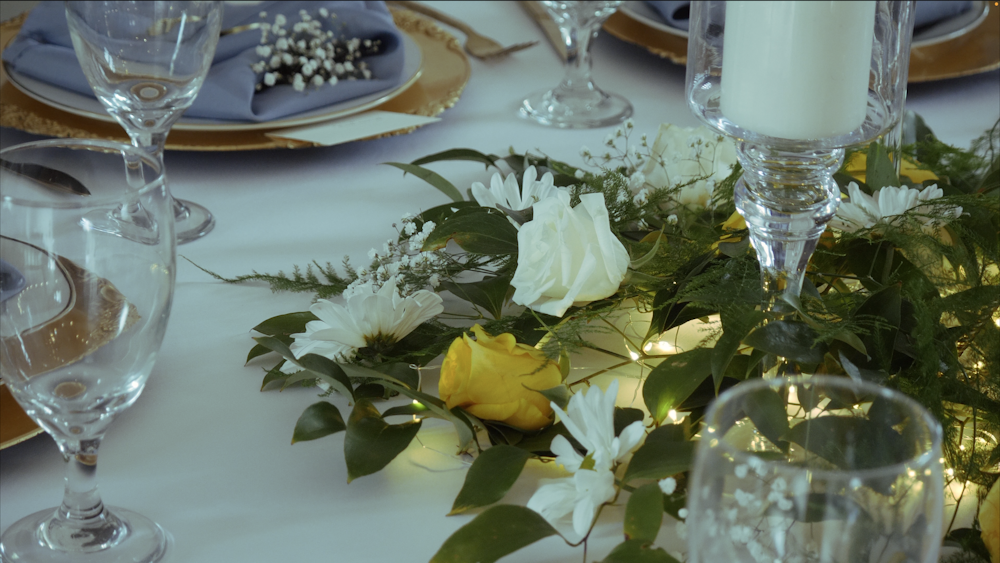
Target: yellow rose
[(859, 163), (493, 377), (989, 522)]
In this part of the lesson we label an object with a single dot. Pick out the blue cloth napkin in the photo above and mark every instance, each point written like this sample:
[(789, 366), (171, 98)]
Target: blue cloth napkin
[(675, 12), (43, 50)]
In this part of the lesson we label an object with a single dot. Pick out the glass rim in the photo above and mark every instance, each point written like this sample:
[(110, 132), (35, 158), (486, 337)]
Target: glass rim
[(740, 455), (96, 145)]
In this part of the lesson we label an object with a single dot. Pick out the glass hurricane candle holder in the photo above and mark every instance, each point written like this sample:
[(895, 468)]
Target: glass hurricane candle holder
[(793, 82)]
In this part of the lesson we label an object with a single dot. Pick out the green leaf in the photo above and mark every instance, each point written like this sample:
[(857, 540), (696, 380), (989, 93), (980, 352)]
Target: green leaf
[(659, 459), (849, 443), (431, 177), (880, 171), (330, 371), (671, 382), (318, 420), (489, 293), (644, 513), (638, 551), (790, 339), (880, 315), (498, 531), (559, 395), (482, 233), (371, 443), (767, 411), (285, 325), (274, 374), (735, 327), (490, 477), (411, 409), (459, 154), (257, 351), (622, 417)]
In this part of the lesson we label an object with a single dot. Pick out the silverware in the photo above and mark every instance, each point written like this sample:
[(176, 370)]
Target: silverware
[(166, 24), (548, 26), (477, 45), (46, 176)]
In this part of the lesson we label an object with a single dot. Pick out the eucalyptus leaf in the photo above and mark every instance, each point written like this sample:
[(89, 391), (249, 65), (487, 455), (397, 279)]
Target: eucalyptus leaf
[(492, 474), (496, 532), (431, 177), (880, 315), (638, 551), (790, 339), (318, 420), (371, 443), (459, 154), (671, 382), (644, 513), (482, 233)]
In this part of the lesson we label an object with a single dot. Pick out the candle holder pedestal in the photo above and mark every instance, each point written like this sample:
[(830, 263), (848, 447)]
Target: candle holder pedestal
[(786, 199)]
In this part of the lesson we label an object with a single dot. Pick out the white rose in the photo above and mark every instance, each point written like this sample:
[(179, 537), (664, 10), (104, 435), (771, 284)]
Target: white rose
[(682, 154), (567, 255)]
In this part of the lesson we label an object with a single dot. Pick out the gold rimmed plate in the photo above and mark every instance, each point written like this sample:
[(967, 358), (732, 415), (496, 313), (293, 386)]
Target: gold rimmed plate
[(444, 71), (964, 45)]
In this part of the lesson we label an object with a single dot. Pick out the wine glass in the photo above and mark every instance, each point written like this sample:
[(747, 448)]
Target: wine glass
[(820, 469), (146, 62), (577, 102), (79, 336), (793, 83)]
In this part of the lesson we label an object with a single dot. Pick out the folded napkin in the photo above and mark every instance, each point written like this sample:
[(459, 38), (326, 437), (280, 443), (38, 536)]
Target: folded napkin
[(43, 50), (675, 12)]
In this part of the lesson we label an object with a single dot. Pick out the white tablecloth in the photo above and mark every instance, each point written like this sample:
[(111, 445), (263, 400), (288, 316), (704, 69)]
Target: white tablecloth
[(208, 455)]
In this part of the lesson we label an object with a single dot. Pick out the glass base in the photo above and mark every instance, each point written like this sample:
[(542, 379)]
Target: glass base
[(570, 109), (192, 221), (117, 535)]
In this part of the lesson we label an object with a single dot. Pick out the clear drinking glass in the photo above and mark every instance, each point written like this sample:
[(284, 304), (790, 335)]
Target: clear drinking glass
[(577, 102), (793, 82), (80, 333), (816, 470), (146, 62)]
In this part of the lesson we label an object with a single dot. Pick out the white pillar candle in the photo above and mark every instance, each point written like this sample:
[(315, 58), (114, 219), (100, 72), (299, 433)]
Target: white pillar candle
[(797, 70)]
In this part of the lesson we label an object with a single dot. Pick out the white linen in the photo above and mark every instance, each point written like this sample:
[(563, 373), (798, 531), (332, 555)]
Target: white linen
[(208, 456)]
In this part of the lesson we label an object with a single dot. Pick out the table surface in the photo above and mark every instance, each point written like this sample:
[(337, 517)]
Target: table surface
[(208, 455)]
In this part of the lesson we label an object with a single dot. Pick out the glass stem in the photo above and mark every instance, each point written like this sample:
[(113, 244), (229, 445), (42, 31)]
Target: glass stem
[(787, 199), (577, 38), (81, 500)]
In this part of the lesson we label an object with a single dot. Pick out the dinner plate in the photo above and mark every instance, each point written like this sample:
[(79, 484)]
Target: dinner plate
[(965, 44), (444, 73), (15, 426), (89, 107)]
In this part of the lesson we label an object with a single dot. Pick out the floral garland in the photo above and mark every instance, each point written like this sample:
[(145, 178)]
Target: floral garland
[(903, 290)]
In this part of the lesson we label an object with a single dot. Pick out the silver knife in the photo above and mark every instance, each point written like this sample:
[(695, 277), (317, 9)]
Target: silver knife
[(549, 27), (46, 176)]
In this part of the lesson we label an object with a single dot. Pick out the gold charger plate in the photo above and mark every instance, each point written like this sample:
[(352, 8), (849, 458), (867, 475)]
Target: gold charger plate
[(973, 52), (15, 426), (444, 73)]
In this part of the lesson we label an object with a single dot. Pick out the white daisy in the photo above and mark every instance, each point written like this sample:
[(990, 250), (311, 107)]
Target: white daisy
[(589, 417), (369, 317), (580, 495), (508, 194), (863, 211)]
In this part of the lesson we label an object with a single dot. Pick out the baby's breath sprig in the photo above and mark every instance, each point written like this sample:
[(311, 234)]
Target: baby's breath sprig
[(308, 54)]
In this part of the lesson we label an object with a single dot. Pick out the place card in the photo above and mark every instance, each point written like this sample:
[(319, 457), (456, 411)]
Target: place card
[(353, 128)]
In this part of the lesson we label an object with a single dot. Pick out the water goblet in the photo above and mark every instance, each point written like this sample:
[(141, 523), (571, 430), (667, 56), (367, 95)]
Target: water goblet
[(79, 336), (577, 102), (793, 82), (146, 62), (820, 469)]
